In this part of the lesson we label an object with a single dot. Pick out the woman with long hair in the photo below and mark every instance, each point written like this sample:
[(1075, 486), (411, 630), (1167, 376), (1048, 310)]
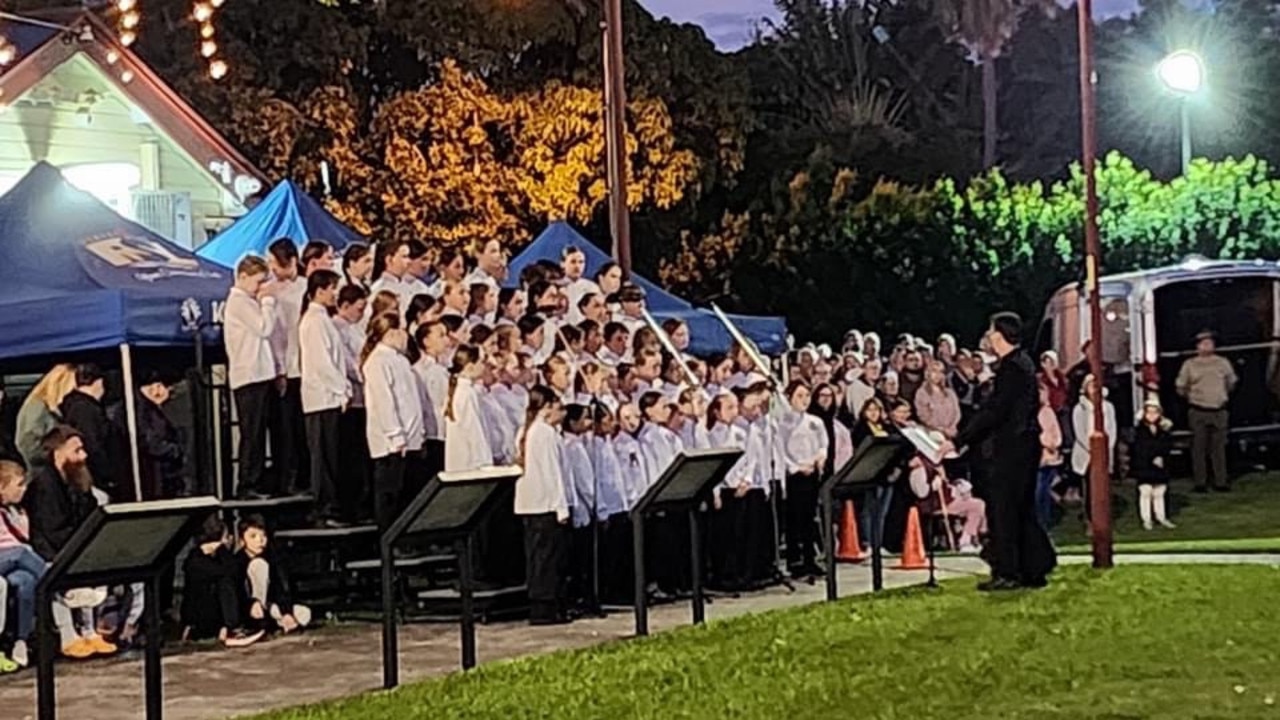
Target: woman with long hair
[(541, 503), (512, 305), (325, 393), (826, 406), (937, 406), (39, 412), (394, 431), (466, 445)]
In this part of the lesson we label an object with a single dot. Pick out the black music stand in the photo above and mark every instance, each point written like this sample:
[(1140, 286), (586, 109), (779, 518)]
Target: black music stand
[(117, 545), (874, 465), (449, 509), (685, 485)]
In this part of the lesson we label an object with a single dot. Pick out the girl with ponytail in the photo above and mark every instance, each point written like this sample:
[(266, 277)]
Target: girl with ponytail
[(394, 429), (466, 446), (542, 505)]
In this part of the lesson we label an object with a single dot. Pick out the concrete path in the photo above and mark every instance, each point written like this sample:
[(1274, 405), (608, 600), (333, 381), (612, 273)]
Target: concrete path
[(345, 660)]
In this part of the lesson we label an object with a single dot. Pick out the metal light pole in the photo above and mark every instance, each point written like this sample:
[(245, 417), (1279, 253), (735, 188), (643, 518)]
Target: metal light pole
[(615, 94), (1182, 73), (1099, 477)]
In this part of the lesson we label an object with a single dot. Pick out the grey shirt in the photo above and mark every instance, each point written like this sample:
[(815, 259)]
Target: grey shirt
[(1207, 381)]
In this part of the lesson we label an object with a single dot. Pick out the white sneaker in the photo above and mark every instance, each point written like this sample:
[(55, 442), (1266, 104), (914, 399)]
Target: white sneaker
[(20, 654), (1165, 523), (1146, 525), (302, 614)]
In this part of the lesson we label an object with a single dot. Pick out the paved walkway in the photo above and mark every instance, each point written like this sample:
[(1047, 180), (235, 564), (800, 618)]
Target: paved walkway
[(345, 660)]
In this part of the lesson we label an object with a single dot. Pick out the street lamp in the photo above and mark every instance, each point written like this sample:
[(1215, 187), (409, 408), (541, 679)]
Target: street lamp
[(1182, 73)]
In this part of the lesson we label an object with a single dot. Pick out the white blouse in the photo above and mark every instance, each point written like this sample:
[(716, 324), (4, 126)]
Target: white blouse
[(393, 402), (540, 489), (466, 446)]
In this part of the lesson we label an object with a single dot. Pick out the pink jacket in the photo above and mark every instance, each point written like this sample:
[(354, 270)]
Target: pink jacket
[(938, 410), (1050, 437), (15, 529)]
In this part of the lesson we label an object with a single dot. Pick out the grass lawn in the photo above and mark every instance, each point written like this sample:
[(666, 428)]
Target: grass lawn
[(1137, 642), (1244, 520)]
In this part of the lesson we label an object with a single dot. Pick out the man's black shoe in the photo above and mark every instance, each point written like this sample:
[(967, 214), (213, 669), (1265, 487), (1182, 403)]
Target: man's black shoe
[(999, 585), (1036, 582)]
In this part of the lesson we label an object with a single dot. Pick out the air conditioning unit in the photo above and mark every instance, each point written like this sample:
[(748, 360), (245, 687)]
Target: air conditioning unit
[(165, 213)]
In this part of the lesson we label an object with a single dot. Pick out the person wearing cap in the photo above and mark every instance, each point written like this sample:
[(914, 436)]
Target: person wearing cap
[(1206, 382), (160, 450)]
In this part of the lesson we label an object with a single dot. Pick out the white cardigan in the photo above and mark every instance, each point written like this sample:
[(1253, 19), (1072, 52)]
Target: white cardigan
[(1082, 423)]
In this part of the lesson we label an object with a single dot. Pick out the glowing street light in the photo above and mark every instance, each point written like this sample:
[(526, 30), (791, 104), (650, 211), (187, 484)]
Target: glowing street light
[(1182, 73)]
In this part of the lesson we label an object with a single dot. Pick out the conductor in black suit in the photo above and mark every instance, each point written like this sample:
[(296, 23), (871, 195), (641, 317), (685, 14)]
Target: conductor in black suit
[(1019, 552)]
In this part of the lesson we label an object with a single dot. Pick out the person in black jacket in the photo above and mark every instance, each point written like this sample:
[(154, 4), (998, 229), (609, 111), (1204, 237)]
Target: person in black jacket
[(213, 595), (267, 589), (1149, 463), (160, 446), (60, 494), (1020, 553), (83, 410)]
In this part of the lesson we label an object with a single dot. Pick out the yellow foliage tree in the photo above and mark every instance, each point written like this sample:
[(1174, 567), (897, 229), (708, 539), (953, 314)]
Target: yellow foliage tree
[(454, 162)]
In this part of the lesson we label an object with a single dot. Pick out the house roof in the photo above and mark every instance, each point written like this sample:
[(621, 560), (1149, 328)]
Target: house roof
[(41, 49)]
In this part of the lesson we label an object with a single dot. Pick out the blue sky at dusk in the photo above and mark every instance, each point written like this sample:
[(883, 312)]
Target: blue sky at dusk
[(729, 22)]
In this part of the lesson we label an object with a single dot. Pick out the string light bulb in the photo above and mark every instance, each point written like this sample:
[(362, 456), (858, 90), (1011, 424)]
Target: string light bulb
[(126, 5), (113, 57), (202, 12), (128, 37), (130, 19), (208, 48), (217, 3), (217, 69), (126, 77), (206, 31), (7, 53)]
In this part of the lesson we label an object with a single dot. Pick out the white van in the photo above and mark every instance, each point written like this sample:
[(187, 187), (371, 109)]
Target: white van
[(1150, 320)]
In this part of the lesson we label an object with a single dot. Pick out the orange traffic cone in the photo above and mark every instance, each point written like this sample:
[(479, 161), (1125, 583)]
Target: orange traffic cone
[(913, 546), (849, 548)]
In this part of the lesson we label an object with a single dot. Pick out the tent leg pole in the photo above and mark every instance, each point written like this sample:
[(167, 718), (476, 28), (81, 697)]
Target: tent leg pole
[(131, 417)]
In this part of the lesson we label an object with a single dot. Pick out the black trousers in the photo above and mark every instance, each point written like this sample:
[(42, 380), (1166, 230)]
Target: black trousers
[(388, 485), (759, 537), (288, 441), (1019, 548), (545, 552), (210, 613), (802, 505), (355, 493), (253, 407), (322, 447), (728, 569), (617, 561)]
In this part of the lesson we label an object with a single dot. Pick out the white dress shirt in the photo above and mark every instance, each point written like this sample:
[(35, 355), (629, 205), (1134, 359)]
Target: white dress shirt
[(325, 385), (611, 496), (540, 490), (804, 442), (660, 447), (393, 403), (353, 337), (246, 333), (631, 467), (581, 477), (480, 277), (284, 338), (466, 446), (435, 386), (725, 437), (575, 291), (404, 288)]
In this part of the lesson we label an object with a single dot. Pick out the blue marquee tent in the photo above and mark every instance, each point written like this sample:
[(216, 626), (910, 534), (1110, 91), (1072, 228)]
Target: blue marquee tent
[(77, 276), (707, 333), (286, 211)]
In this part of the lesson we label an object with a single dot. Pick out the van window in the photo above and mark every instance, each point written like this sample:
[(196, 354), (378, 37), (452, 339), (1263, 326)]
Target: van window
[(1116, 332), (1239, 310)]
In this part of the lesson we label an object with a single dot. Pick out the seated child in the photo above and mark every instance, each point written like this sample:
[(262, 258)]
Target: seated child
[(212, 598), (268, 601), (20, 566)]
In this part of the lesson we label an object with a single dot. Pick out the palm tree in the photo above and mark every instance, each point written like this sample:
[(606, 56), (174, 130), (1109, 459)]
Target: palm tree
[(984, 28)]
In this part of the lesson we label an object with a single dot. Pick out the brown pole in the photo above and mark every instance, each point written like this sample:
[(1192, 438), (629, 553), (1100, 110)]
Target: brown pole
[(615, 94), (1099, 475)]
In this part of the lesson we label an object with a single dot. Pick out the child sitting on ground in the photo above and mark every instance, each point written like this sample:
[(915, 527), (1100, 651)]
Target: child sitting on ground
[(20, 566), (1149, 464), (212, 598), (268, 602)]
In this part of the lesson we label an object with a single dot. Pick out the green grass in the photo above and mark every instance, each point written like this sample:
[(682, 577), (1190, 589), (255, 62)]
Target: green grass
[(1244, 520), (1135, 642)]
